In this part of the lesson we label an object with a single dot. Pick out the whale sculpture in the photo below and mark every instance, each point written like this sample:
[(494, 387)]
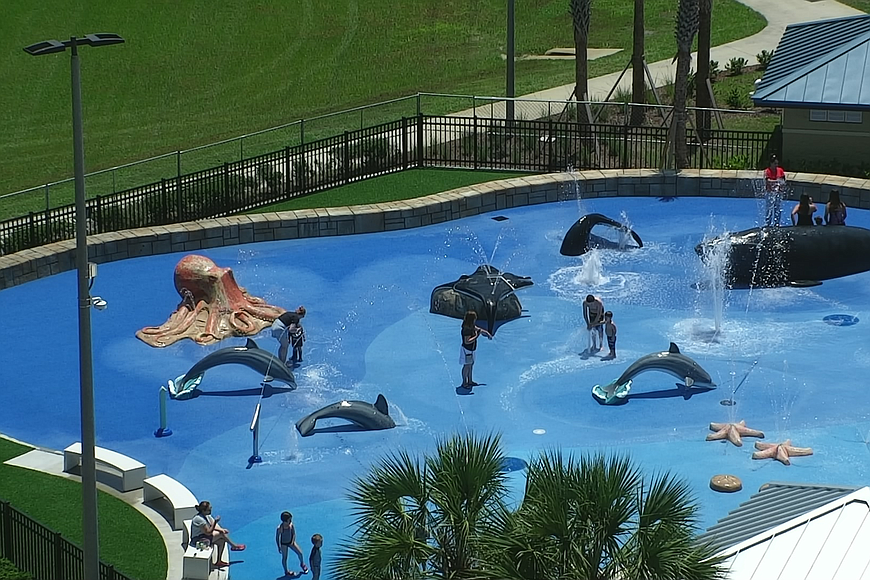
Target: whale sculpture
[(364, 415), (250, 355), (670, 361), (580, 238), (489, 292), (770, 257)]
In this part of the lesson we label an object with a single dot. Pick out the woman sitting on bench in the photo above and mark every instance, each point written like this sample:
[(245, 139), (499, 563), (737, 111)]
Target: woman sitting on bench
[(204, 528)]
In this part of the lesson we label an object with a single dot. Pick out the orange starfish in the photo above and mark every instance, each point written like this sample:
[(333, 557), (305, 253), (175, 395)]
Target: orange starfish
[(779, 451), (732, 432)]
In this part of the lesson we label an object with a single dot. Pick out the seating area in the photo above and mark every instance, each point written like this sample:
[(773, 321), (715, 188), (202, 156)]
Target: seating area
[(171, 498), (125, 473), (199, 564)]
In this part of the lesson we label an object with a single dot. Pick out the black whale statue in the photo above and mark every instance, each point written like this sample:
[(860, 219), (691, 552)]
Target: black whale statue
[(579, 239), (770, 257)]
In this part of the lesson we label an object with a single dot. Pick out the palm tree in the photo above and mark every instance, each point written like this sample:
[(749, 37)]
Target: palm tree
[(638, 85), (687, 26), (581, 11), (423, 519), (598, 519), (702, 97)]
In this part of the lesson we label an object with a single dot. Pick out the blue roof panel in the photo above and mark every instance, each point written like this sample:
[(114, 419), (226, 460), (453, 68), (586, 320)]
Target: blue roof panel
[(824, 63)]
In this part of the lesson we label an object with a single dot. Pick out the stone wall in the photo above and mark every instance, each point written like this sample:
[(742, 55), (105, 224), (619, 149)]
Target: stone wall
[(36, 263)]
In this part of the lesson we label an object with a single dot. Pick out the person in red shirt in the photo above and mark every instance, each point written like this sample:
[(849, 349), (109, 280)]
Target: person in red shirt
[(774, 186)]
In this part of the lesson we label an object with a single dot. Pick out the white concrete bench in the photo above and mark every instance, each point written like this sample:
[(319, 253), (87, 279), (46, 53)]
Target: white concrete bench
[(130, 471), (197, 564), (182, 502)]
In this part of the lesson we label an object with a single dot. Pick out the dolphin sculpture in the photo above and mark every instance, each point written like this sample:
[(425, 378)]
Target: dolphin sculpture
[(580, 238), (365, 415), (489, 292), (670, 361), (250, 355), (770, 257)]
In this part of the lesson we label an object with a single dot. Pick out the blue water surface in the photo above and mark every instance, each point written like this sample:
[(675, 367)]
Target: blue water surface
[(370, 332)]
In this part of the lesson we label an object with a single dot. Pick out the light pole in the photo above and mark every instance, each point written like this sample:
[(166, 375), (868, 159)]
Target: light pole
[(511, 92), (86, 371)]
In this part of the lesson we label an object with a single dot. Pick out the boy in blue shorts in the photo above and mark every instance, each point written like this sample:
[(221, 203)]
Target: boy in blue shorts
[(610, 332)]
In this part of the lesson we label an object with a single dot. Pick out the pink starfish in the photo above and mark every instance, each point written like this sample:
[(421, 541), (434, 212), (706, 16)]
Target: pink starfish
[(732, 432), (779, 451)]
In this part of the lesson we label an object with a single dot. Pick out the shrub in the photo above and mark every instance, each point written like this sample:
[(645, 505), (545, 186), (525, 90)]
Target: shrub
[(8, 571), (714, 70), (764, 57), (735, 66), (622, 95), (690, 85), (735, 99)]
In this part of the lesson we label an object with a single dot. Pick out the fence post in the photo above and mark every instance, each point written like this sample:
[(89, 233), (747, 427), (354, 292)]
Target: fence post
[(474, 136), (59, 570), (345, 157), (550, 140), (302, 131), (178, 164), (226, 194), (242, 149), (178, 203), (404, 143), (625, 147), (287, 180), (47, 199), (32, 227), (419, 108), (6, 519), (98, 219), (419, 140)]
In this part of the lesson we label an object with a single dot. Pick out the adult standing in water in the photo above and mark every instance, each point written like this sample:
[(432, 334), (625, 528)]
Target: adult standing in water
[(470, 333), (593, 314), (774, 189), (835, 210)]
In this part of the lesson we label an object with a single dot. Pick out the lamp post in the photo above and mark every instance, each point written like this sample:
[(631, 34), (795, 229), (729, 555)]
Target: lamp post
[(86, 371), (511, 92)]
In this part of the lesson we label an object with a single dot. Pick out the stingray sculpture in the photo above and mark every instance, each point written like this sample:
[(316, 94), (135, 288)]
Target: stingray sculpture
[(213, 307)]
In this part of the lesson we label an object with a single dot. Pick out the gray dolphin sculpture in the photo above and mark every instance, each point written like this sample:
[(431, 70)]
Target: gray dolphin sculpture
[(670, 361), (250, 355), (579, 239), (365, 415)]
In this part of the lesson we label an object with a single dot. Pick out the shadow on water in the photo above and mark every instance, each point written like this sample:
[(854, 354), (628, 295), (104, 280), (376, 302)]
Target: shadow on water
[(681, 391), (268, 391)]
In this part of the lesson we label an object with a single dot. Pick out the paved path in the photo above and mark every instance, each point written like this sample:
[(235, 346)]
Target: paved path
[(778, 13)]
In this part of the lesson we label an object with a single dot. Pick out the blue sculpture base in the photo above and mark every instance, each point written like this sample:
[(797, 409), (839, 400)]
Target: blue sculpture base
[(163, 432)]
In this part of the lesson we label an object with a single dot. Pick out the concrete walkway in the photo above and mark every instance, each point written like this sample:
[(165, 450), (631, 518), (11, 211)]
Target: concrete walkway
[(778, 13)]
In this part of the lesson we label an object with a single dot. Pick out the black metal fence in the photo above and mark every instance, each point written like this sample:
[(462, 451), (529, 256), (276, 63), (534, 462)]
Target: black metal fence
[(424, 141), (41, 552)]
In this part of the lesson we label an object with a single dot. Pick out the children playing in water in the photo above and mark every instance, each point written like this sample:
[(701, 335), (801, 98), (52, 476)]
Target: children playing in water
[(285, 537), (610, 332), (593, 314), (297, 339)]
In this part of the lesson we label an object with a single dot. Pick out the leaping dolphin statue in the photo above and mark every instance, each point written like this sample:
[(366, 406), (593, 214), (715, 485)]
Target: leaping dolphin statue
[(770, 257), (670, 361), (580, 238), (365, 415), (250, 355)]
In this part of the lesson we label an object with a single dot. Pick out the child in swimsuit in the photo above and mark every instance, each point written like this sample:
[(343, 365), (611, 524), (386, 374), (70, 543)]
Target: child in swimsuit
[(610, 331)]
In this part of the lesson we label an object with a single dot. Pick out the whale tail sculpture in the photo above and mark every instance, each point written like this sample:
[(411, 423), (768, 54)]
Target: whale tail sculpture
[(579, 239), (366, 416)]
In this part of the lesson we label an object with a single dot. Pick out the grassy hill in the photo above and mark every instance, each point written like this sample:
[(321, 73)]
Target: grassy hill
[(194, 72)]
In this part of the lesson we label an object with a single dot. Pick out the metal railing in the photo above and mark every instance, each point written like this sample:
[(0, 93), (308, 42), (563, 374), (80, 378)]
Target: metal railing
[(422, 141), (41, 552)]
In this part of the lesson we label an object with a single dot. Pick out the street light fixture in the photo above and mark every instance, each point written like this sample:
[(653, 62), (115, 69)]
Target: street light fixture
[(85, 276)]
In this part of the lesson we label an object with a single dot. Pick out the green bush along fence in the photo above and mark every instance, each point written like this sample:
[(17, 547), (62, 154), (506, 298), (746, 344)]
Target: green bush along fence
[(411, 142)]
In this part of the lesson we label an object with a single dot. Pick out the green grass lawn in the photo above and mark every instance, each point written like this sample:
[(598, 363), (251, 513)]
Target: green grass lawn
[(862, 5), (394, 187), (194, 72), (56, 503)]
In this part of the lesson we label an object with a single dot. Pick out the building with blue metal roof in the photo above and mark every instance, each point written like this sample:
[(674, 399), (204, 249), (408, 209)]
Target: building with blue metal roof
[(820, 78)]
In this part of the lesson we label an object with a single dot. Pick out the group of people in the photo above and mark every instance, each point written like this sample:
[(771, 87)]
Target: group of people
[(803, 213), (599, 323), (204, 528), (287, 330)]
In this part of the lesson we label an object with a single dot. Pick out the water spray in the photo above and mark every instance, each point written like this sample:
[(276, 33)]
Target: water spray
[(731, 402)]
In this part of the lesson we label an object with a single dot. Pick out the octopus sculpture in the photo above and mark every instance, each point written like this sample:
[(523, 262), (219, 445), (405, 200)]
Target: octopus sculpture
[(213, 306)]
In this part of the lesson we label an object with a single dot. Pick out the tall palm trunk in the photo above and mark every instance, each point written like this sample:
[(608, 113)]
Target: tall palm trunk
[(702, 97), (581, 11), (687, 26), (638, 86)]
